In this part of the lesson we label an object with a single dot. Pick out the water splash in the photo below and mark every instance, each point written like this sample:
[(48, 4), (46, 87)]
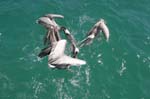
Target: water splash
[(75, 82), (122, 68), (148, 38), (62, 91), (99, 59), (37, 87), (143, 58), (0, 36), (6, 86), (87, 73), (138, 56)]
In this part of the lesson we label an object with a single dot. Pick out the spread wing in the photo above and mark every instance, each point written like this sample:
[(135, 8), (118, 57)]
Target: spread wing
[(67, 60), (71, 61)]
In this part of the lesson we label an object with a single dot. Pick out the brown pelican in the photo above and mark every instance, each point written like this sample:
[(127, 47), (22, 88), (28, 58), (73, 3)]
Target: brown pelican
[(100, 26), (49, 23), (55, 52), (48, 20)]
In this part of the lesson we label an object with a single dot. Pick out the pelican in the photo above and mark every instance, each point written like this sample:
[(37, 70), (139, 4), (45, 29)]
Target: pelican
[(49, 23), (100, 26), (56, 56)]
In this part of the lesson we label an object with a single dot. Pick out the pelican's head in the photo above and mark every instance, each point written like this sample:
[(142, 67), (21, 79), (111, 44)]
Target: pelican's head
[(45, 21)]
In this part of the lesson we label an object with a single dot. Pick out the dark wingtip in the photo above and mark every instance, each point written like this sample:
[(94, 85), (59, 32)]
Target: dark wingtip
[(63, 28), (44, 52), (41, 55)]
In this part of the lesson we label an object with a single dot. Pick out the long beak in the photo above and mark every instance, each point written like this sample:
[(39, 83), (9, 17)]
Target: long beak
[(54, 16), (105, 30)]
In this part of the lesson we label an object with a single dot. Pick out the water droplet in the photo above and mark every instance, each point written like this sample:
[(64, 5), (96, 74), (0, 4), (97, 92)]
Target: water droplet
[(99, 55), (138, 56), (100, 62)]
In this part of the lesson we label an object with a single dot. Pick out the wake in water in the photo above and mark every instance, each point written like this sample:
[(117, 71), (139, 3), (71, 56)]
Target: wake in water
[(56, 45)]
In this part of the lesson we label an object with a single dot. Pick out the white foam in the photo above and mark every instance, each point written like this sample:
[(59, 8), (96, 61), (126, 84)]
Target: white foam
[(25, 47), (138, 56), (149, 58), (99, 55), (148, 37), (87, 72), (123, 68), (144, 60), (100, 61), (62, 91), (0, 36), (36, 86), (21, 58), (75, 82)]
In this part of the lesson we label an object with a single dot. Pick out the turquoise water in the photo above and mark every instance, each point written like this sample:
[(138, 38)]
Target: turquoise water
[(119, 69)]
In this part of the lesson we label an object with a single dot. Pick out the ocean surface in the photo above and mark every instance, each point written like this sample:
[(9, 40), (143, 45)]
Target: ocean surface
[(118, 69)]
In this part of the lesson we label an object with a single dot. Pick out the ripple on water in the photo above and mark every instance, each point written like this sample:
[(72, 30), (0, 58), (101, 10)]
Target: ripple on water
[(66, 88), (6, 86), (32, 55), (62, 91), (8, 5), (37, 87)]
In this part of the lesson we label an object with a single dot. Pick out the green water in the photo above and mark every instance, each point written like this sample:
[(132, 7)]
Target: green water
[(119, 69)]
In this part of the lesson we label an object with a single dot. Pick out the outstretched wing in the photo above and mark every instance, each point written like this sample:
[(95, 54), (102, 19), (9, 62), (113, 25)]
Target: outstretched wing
[(67, 60), (71, 61)]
